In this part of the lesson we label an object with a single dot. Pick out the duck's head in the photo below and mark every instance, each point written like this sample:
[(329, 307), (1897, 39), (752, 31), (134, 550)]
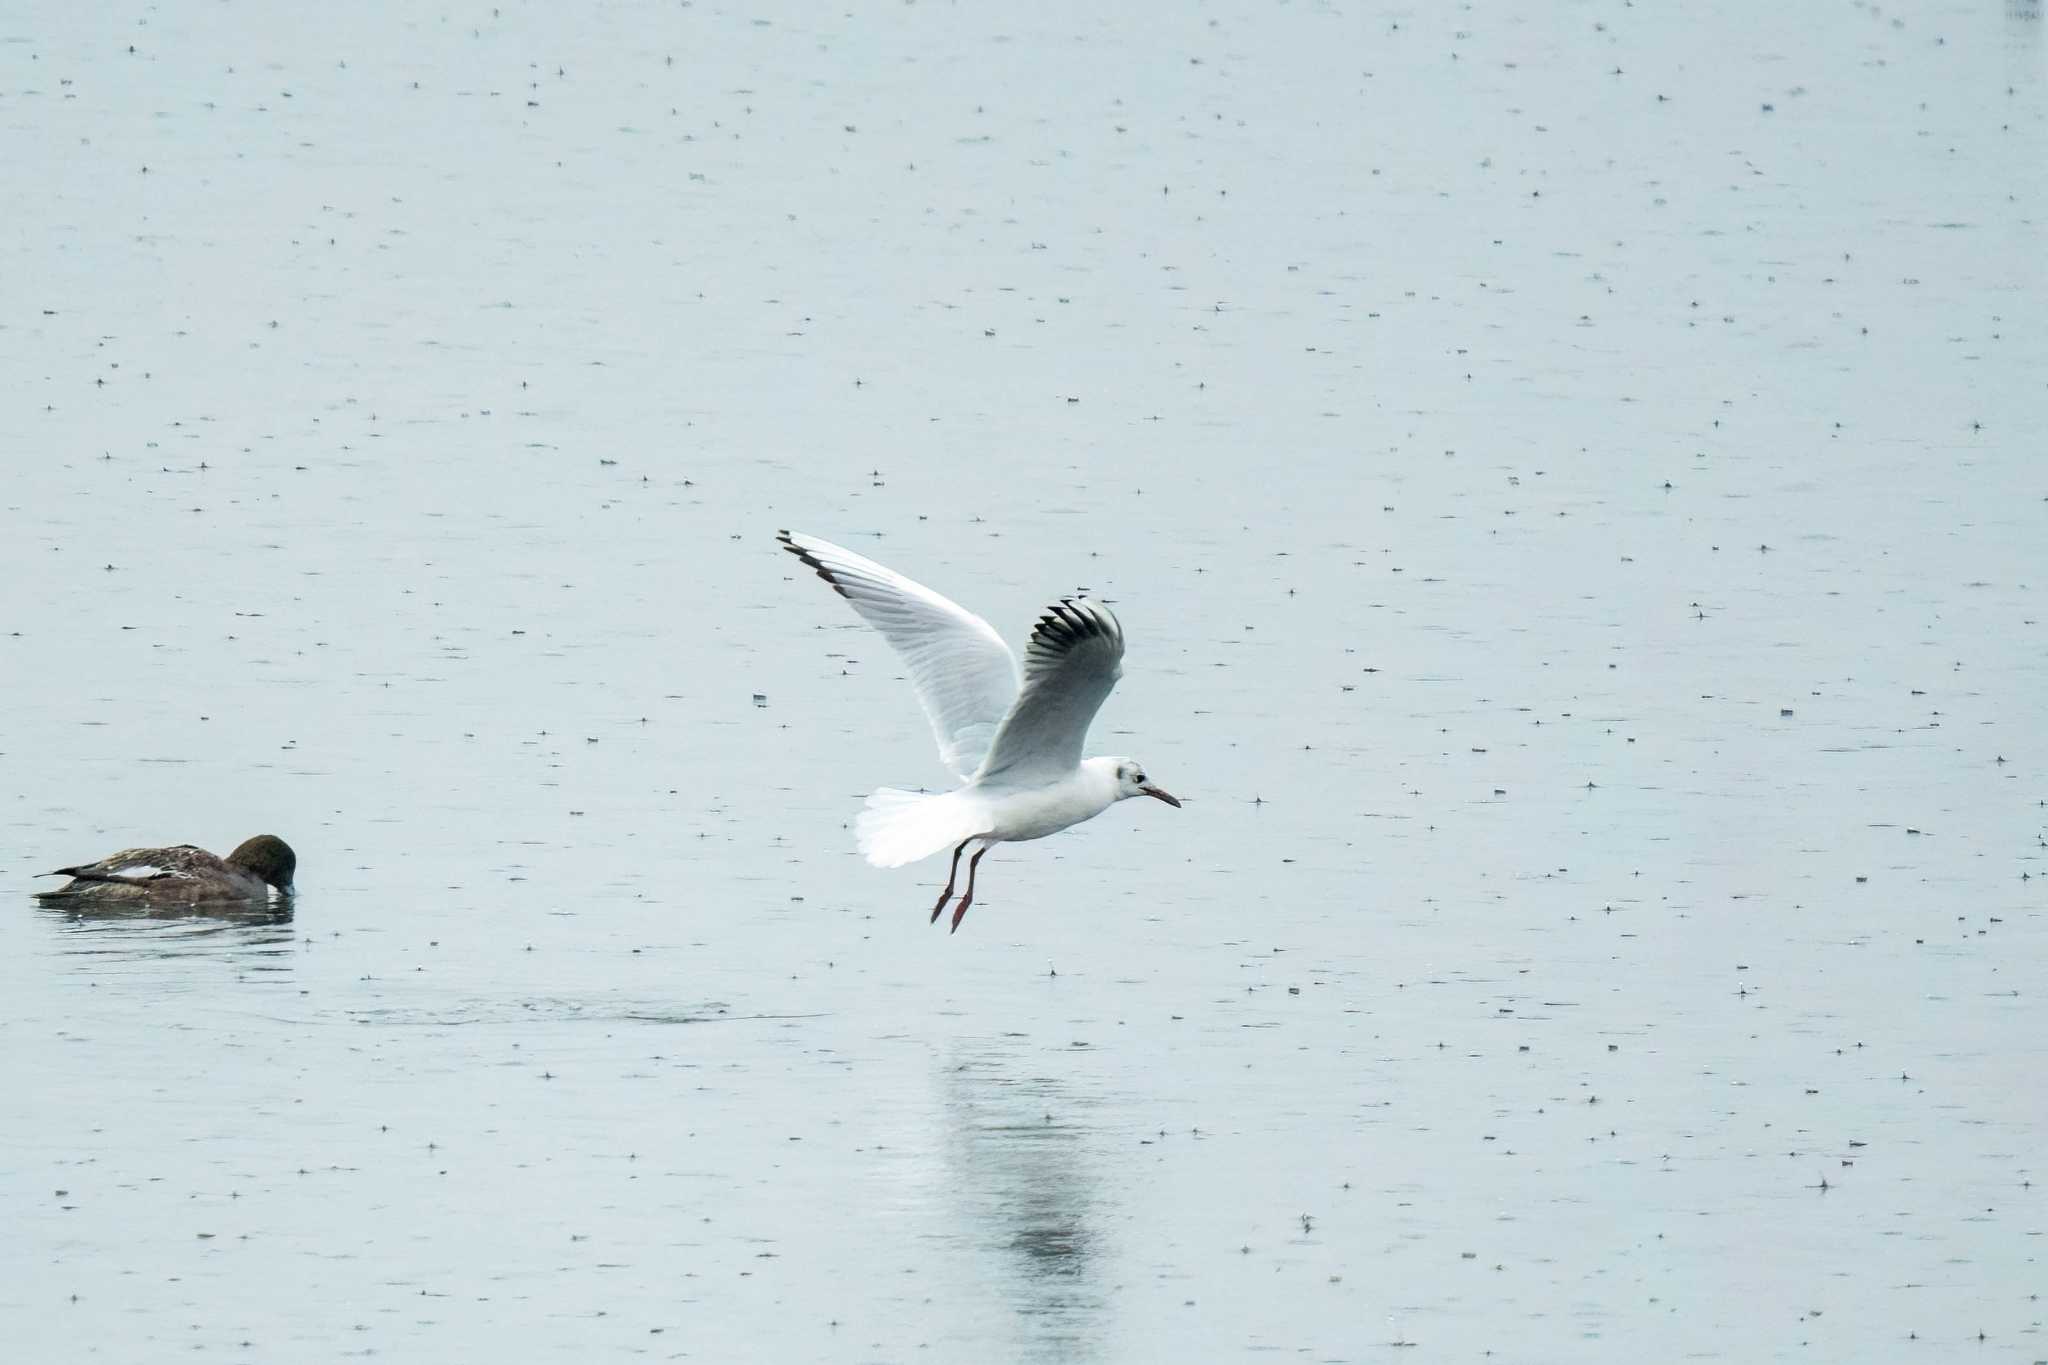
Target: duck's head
[(268, 857), (1131, 781)]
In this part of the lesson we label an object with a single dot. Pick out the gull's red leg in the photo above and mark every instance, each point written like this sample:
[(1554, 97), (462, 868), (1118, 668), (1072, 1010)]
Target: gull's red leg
[(947, 894), (960, 910)]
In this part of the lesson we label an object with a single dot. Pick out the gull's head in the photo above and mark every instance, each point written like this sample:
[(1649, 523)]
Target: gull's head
[(1131, 781)]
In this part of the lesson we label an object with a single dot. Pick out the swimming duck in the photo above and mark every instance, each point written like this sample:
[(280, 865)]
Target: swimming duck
[(180, 875)]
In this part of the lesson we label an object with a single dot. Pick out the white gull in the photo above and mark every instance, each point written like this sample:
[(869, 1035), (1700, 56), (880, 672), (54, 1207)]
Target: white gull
[(1015, 743)]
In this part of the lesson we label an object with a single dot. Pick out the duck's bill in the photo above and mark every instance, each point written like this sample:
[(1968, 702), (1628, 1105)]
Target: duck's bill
[(1168, 797)]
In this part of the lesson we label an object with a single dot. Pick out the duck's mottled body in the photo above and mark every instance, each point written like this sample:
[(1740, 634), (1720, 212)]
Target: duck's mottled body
[(182, 874)]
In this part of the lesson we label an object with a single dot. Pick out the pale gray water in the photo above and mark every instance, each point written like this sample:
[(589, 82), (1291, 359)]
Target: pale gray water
[(1582, 555)]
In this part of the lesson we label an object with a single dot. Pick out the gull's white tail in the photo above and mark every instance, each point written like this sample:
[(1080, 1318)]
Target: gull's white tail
[(898, 827)]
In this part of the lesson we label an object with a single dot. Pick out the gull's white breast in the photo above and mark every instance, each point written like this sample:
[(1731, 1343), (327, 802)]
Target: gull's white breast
[(1033, 812)]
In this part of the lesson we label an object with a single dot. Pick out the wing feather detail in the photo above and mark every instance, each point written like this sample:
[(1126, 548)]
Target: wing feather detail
[(1074, 659), (965, 676)]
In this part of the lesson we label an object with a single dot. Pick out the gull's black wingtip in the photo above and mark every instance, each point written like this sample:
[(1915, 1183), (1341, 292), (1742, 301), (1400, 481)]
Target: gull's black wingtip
[(1073, 619), (816, 565)]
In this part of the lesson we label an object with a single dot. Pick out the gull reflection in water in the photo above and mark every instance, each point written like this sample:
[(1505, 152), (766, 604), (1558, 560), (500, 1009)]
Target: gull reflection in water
[(1020, 1147), (256, 937)]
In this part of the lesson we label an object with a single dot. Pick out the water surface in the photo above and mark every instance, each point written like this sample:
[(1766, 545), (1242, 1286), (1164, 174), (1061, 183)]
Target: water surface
[(1571, 486)]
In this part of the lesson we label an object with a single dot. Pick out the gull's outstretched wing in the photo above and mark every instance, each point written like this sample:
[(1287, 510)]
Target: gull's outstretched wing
[(1075, 656), (963, 672)]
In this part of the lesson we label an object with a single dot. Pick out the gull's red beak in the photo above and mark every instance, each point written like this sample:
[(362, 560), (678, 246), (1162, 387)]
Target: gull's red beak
[(1168, 797)]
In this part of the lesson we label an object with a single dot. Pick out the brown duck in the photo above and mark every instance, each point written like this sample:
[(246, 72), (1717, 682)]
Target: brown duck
[(179, 875)]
